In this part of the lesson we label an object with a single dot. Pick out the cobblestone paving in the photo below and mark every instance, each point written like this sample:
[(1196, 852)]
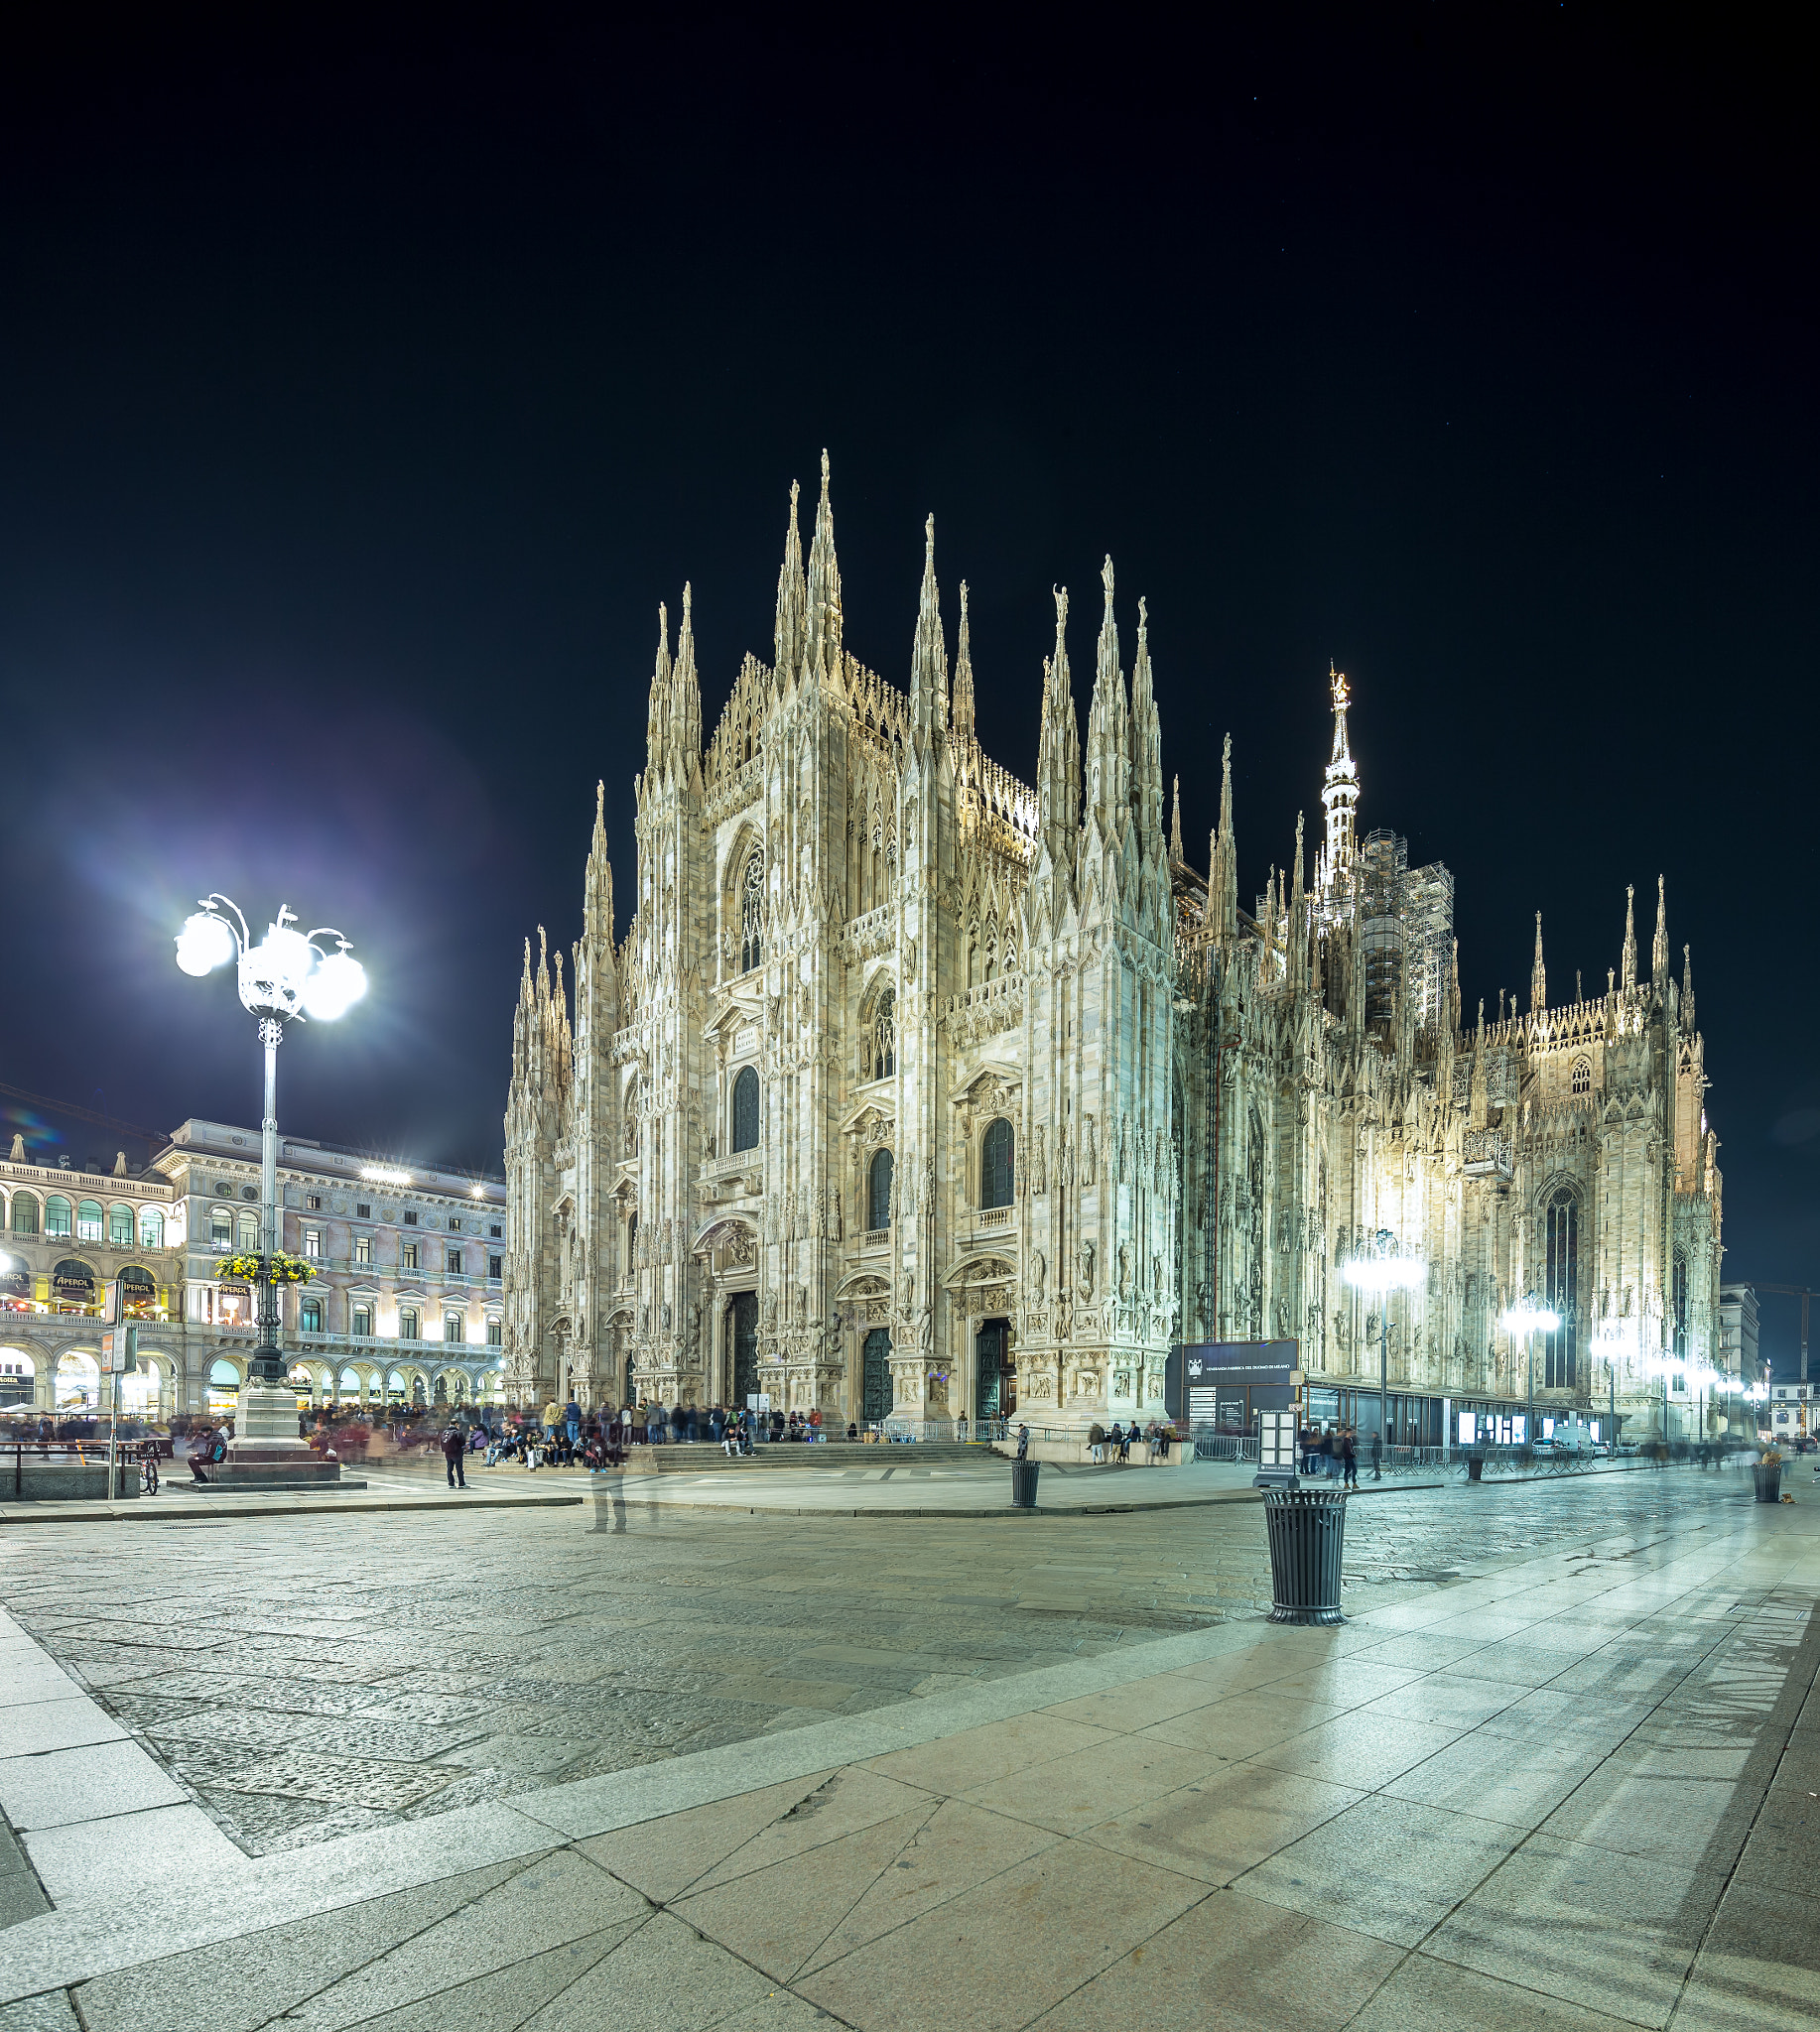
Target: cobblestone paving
[(327, 1675)]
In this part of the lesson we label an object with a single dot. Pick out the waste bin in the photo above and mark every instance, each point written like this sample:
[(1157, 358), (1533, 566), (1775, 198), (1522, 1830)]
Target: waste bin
[(1769, 1481), (1023, 1484), (1307, 1530), (1475, 1466)]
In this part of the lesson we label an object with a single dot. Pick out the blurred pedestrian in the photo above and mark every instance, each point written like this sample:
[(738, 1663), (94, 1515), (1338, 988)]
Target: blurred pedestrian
[(455, 1449)]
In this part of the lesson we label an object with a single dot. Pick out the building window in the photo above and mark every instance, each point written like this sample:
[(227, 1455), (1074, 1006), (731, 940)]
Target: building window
[(89, 1222), (56, 1216), (631, 1242), (411, 1217), (454, 1223), (497, 1233), (495, 1268), (220, 1228), (25, 1213), (1563, 1292), (119, 1227), (495, 1332), (745, 1109), (752, 915), (878, 1191), (996, 1153), (249, 1233), (452, 1262), (312, 1245), (314, 1201), (407, 1255), (408, 1321), (363, 1322), (310, 1316), (363, 1211), (1583, 1076), (455, 1328), (151, 1228), (879, 1044), (363, 1248)]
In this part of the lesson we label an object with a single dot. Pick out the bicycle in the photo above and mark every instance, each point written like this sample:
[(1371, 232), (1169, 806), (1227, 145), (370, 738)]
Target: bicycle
[(148, 1469)]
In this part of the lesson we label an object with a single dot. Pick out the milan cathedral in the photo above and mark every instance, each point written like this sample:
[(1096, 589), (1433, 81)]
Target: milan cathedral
[(915, 1092)]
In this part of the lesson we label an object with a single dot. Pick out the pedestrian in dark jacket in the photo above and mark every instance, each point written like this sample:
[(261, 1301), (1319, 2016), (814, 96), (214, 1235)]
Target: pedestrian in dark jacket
[(1378, 1457), (454, 1450), (1348, 1454)]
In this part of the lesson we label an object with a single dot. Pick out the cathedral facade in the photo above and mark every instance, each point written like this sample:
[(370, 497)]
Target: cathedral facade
[(914, 1091)]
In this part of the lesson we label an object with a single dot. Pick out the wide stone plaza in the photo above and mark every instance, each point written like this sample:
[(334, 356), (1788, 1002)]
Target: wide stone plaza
[(509, 1768)]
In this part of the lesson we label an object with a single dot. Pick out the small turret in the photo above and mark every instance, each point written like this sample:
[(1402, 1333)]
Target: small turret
[(825, 631), (1629, 952), (790, 629), (1339, 790), (1175, 825), (1658, 948), (1538, 978), (1058, 762), (1223, 858), (1108, 731), (1146, 741), (1687, 990), (928, 653)]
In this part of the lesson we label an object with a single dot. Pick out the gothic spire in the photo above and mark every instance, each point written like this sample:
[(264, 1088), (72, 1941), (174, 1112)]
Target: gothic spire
[(825, 586), (1658, 949), (1223, 858), (656, 719), (1538, 979), (1175, 824), (963, 717), (1146, 741), (1687, 989), (1109, 733), (928, 652), (1630, 955), (1058, 765), (685, 702), (598, 886), (791, 600), (1339, 786)]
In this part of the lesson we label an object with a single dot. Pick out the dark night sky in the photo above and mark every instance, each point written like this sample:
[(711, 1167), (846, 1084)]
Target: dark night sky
[(364, 386)]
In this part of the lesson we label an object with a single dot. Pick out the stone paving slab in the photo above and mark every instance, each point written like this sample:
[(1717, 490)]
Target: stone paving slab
[(1007, 1824)]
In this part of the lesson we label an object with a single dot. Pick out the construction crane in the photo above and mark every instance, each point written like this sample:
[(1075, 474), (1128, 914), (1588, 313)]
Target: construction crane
[(1799, 1291)]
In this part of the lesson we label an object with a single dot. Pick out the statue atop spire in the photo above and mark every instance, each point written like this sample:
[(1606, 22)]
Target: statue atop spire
[(1629, 953), (1223, 858), (1146, 741), (1339, 789), (596, 885), (1687, 989), (1108, 731), (1658, 948), (1175, 824), (1538, 978)]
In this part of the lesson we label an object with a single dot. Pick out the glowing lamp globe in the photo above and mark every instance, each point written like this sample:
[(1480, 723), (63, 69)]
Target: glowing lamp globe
[(204, 943), (337, 983)]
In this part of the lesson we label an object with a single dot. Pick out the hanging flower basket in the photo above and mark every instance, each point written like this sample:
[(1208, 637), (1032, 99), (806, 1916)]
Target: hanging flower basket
[(277, 1269)]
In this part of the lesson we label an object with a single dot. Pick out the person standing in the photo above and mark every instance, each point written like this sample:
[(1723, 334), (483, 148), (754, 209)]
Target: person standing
[(454, 1452), (1378, 1457), (551, 1416), (1348, 1455), (572, 1421)]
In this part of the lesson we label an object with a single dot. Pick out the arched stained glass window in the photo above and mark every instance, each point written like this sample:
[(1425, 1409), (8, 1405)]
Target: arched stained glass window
[(1583, 1076), (997, 1155), (1562, 1297), (881, 1040), (878, 1191), (745, 1109), (752, 915)]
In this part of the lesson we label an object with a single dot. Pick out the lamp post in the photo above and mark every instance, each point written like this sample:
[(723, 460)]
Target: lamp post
[(284, 979), (1384, 1267), (1525, 1318)]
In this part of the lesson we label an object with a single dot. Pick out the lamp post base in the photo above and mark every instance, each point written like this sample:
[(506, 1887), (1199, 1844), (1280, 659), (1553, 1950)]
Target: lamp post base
[(265, 1451)]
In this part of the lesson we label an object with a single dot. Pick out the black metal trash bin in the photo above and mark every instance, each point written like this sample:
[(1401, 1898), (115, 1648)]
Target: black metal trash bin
[(1307, 1528), (1023, 1484), (1769, 1481), (1475, 1466)]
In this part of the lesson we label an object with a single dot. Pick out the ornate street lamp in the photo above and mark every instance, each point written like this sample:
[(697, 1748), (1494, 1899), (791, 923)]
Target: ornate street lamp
[(1384, 1267), (287, 978), (1525, 1318)]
